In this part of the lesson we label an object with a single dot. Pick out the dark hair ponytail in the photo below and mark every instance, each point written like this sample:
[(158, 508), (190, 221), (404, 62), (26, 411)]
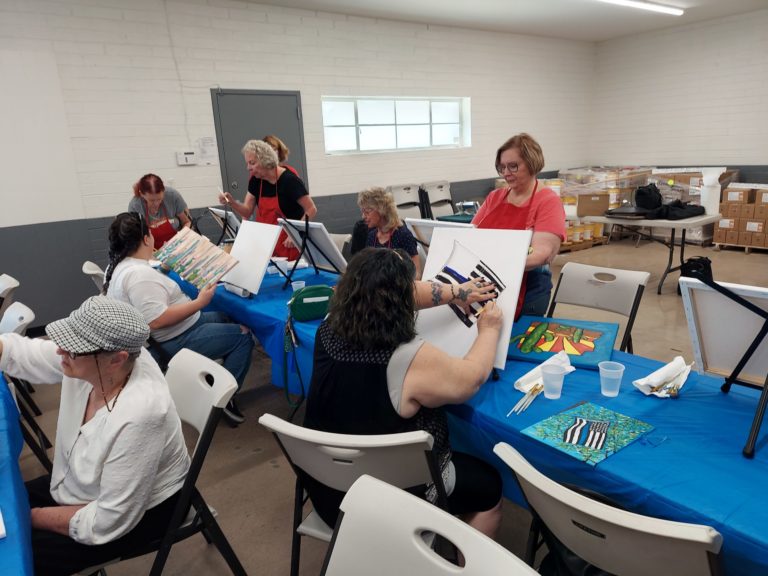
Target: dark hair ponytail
[(126, 233)]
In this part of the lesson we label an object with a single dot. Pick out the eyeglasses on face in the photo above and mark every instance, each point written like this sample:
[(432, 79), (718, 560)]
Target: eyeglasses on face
[(511, 167), (367, 210), (75, 355)]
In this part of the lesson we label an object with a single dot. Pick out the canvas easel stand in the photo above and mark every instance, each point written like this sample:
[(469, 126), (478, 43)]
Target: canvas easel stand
[(733, 378), (306, 241)]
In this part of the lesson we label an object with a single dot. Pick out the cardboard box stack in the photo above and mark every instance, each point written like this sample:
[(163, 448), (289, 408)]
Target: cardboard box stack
[(595, 189), (745, 215)]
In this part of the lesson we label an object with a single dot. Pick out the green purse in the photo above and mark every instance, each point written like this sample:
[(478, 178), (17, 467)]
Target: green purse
[(310, 303)]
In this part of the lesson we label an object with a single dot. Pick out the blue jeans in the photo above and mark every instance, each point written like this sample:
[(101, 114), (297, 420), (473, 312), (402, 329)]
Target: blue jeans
[(215, 336)]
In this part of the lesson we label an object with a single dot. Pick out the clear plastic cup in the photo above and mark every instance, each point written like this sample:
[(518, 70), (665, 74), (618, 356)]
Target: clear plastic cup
[(552, 376), (297, 285), (610, 377), (281, 263)]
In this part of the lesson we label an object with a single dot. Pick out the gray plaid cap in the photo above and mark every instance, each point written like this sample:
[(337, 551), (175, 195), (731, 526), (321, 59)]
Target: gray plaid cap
[(101, 323)]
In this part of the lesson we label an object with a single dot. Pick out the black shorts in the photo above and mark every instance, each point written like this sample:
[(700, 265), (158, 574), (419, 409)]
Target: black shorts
[(478, 485)]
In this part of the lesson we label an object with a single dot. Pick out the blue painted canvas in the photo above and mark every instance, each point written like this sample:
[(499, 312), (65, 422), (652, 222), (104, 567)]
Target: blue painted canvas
[(534, 339), (588, 432)]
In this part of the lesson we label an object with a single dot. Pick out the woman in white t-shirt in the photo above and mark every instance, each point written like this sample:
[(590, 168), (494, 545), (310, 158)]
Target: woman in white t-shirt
[(175, 320)]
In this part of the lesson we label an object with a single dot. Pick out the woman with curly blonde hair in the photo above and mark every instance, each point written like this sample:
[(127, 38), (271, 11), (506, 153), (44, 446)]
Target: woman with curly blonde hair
[(385, 229)]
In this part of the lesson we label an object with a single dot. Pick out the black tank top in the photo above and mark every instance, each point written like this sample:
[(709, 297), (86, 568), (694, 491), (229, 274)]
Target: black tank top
[(349, 395)]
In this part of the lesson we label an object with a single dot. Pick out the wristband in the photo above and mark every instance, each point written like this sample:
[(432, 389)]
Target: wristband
[(453, 294)]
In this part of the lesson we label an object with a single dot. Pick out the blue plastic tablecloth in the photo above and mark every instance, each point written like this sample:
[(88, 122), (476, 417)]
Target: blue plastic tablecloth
[(265, 314), (15, 548), (689, 468)]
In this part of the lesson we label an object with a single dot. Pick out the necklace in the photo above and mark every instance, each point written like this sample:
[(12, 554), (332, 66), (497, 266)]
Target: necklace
[(114, 400), (104, 395)]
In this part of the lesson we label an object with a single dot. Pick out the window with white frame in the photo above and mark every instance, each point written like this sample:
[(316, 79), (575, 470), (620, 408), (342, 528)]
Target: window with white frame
[(370, 124)]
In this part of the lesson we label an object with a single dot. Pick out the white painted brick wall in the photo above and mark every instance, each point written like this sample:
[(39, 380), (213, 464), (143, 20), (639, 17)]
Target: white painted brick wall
[(136, 78), (691, 95)]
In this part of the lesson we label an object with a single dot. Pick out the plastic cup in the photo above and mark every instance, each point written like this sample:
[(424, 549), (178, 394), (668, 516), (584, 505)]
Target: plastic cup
[(610, 377), (297, 285), (281, 263), (552, 376)]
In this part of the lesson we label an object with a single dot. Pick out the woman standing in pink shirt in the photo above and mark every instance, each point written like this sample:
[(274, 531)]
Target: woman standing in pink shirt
[(524, 205)]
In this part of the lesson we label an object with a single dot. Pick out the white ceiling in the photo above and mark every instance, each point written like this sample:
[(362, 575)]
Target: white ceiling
[(571, 19)]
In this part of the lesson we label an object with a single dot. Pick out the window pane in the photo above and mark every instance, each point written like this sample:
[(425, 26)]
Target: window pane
[(338, 113), (376, 111), (412, 111), (445, 135), (445, 112), (340, 139), (377, 137), (413, 136)]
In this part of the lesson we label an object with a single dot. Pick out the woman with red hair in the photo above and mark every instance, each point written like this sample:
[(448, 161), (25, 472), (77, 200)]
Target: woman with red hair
[(162, 207)]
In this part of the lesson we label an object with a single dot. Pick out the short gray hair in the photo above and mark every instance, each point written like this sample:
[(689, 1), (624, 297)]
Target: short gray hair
[(263, 152)]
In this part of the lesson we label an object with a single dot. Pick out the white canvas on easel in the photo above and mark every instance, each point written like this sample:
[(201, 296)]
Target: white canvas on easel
[(422, 229), (253, 247), (320, 246), (503, 251), (721, 330)]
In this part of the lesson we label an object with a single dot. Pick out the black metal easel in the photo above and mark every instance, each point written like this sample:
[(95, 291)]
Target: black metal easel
[(306, 240), (749, 448)]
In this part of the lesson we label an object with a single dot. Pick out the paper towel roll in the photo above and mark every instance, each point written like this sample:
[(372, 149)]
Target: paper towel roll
[(710, 199)]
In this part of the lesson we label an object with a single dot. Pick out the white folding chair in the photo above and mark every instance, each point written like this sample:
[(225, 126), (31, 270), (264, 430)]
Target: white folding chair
[(200, 389), (95, 272), (381, 531), (439, 197), (610, 289), (614, 540), (16, 319), (406, 199), (337, 460), (8, 285)]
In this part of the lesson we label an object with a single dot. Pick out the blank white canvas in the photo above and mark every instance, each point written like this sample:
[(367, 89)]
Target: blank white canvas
[(721, 330), (321, 239), (504, 251), (422, 228), (253, 247)]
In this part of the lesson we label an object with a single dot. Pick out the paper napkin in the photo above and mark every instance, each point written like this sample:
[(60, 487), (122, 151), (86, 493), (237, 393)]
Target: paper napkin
[(2, 526), (530, 379), (672, 376)]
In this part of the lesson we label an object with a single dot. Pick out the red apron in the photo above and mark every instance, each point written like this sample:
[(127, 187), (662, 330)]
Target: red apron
[(268, 212), (507, 216), (163, 231)]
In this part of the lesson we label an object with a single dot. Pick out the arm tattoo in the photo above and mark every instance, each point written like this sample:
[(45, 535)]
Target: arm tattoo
[(463, 294), (437, 293)]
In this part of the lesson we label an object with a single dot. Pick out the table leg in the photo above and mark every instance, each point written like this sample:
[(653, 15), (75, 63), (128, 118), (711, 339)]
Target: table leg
[(668, 269)]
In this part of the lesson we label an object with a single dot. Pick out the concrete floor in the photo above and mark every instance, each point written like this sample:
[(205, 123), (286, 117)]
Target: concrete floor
[(249, 482)]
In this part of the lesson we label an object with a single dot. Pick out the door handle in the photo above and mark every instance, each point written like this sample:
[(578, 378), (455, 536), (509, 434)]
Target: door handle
[(234, 184)]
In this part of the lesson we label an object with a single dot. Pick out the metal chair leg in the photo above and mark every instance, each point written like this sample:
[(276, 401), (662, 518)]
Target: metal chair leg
[(36, 448), (23, 389)]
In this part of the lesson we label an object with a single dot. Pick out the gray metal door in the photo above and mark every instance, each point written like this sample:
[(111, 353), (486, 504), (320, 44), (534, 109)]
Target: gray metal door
[(242, 115)]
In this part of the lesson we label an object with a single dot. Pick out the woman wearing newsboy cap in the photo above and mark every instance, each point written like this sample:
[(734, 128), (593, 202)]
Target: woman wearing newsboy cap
[(120, 458)]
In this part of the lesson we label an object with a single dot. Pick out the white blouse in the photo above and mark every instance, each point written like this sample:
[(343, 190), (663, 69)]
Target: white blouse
[(120, 463)]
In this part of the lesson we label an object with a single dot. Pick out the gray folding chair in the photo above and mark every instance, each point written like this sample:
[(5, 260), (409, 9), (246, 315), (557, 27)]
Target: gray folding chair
[(614, 540), (382, 531), (610, 289), (95, 273), (440, 201), (8, 285), (406, 199), (337, 460), (200, 389)]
